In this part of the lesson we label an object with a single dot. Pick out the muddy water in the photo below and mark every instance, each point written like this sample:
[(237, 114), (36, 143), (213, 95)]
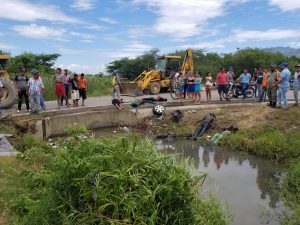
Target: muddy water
[(248, 185)]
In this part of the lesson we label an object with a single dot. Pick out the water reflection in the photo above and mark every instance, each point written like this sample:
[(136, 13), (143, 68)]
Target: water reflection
[(247, 183)]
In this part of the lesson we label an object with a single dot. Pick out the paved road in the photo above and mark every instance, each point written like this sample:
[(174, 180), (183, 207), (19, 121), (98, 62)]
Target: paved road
[(106, 101)]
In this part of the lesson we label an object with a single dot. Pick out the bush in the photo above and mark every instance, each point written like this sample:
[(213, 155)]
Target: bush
[(121, 181)]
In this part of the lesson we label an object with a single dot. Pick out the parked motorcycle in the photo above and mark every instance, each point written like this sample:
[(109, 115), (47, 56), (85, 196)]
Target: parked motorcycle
[(235, 90)]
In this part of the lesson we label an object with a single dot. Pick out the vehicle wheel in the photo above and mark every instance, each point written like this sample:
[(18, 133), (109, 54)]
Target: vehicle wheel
[(9, 94), (249, 92), (158, 110), (174, 93), (154, 88), (229, 93)]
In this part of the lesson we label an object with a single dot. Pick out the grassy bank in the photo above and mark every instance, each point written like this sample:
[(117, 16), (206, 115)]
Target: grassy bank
[(121, 181), (270, 133)]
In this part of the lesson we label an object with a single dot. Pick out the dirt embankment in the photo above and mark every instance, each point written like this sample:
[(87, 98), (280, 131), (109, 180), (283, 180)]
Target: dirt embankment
[(242, 117)]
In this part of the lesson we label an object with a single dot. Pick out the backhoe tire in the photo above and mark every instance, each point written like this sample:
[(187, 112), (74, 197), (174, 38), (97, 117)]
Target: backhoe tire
[(154, 88), (9, 94)]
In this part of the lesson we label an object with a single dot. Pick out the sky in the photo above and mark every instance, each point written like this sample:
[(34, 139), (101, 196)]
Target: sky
[(89, 34)]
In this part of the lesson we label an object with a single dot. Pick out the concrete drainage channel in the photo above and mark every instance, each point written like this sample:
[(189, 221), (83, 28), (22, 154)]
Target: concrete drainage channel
[(104, 117)]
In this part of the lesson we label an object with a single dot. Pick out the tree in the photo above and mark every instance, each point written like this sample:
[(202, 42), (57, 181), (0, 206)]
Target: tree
[(130, 68), (27, 60)]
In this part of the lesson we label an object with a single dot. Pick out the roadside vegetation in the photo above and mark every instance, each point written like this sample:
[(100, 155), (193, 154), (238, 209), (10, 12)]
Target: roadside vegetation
[(101, 181)]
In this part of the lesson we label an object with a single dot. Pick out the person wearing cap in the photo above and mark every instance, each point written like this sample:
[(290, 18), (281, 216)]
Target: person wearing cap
[(283, 85), (82, 87), (296, 84), (66, 86), (116, 84), (35, 87), (59, 87), (21, 82)]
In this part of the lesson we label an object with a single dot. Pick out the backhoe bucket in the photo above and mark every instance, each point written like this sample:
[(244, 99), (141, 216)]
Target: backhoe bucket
[(131, 89)]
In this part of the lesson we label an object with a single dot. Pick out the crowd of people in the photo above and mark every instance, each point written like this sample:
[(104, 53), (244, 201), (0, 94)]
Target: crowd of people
[(272, 82), (66, 87)]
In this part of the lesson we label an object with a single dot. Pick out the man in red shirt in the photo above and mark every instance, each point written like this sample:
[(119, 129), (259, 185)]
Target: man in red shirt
[(222, 82)]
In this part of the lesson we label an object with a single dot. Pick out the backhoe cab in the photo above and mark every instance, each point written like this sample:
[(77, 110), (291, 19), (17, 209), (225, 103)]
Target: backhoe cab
[(159, 78)]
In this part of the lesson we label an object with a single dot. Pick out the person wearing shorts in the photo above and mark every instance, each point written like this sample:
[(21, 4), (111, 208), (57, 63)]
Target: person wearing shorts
[(222, 81), (82, 87), (180, 81), (208, 86), (59, 87), (74, 92)]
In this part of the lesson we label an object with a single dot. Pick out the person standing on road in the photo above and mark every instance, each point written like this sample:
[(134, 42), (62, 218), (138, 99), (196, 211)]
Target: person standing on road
[(59, 87), (74, 92), (259, 77), (264, 85), (222, 82), (185, 78), (180, 82), (191, 86), (254, 79), (82, 87), (21, 82), (35, 90), (296, 84), (66, 86), (198, 80), (116, 85), (208, 86), (283, 85), (245, 80), (230, 75), (272, 90)]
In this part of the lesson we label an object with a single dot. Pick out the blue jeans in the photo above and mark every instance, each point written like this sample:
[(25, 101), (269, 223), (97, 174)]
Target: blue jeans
[(281, 95), (262, 94), (35, 102), (43, 102), (244, 88)]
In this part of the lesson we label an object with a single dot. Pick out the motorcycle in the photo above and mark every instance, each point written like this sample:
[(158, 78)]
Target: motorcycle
[(235, 90)]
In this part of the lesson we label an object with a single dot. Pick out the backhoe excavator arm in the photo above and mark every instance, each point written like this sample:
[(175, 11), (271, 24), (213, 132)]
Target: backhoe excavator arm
[(188, 64)]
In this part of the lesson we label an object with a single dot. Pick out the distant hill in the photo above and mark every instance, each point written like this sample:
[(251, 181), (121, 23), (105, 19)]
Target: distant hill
[(287, 51)]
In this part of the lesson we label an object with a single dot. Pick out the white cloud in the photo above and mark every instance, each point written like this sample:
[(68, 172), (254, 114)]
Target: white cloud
[(94, 27), (286, 5), (78, 68), (87, 41), (40, 32), (22, 10), (139, 31), (82, 35), (264, 35), (6, 47), (186, 18), (108, 20), (83, 5), (239, 36)]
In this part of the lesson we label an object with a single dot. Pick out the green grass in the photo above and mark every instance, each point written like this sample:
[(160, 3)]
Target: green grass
[(265, 141), (97, 86), (105, 181)]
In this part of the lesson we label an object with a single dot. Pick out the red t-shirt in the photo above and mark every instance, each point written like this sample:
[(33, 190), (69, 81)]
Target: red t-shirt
[(222, 78)]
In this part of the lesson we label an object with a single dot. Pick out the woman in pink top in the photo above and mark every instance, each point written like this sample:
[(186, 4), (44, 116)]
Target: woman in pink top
[(222, 82)]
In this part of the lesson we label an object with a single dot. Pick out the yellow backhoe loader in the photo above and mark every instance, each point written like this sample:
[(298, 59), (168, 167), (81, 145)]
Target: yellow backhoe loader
[(9, 90), (159, 78)]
